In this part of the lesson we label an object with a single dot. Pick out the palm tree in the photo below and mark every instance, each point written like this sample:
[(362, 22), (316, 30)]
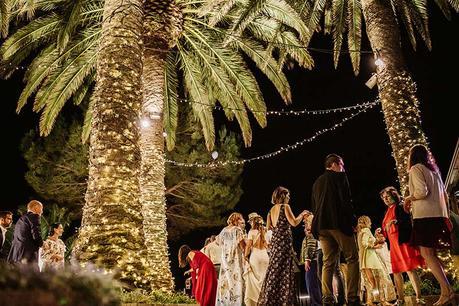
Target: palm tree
[(186, 50), (396, 86)]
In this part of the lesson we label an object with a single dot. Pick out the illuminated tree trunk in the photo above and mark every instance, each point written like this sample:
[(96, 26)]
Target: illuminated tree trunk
[(397, 89), (111, 235), (161, 28)]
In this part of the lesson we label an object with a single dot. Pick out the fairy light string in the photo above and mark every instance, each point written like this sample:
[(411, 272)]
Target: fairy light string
[(287, 148)]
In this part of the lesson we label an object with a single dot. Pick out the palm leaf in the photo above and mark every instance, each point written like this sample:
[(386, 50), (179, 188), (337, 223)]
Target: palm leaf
[(339, 26), (355, 33), (250, 13), (171, 97), (444, 7), (71, 18), (201, 102)]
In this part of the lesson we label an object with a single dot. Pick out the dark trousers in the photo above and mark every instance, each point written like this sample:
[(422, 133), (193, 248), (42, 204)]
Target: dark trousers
[(313, 284)]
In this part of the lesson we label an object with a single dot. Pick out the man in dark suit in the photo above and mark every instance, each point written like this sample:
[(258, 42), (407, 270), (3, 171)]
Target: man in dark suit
[(6, 219), (27, 237), (333, 224)]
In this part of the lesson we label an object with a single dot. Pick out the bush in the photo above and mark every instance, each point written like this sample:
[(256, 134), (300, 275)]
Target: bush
[(25, 286), (155, 297)]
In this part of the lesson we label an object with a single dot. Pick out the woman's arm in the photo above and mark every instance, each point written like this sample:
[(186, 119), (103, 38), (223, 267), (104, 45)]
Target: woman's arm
[(248, 248), (294, 221), (268, 221)]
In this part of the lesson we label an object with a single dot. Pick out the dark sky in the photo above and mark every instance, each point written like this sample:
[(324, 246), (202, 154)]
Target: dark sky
[(362, 142)]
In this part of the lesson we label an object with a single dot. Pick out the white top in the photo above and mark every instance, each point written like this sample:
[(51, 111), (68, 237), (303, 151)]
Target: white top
[(214, 252), (427, 188), (3, 234)]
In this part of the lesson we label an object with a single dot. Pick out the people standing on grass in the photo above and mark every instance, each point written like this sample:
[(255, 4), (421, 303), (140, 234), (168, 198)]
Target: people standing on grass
[(404, 257), (52, 253), (428, 203), (279, 284), (230, 290), (333, 222), (27, 237), (375, 277), (204, 278), (256, 256)]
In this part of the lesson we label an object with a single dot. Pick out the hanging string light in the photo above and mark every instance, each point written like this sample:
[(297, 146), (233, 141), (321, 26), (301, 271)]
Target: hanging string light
[(294, 146), (291, 112)]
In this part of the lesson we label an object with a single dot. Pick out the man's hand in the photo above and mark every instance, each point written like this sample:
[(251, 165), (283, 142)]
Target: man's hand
[(407, 205)]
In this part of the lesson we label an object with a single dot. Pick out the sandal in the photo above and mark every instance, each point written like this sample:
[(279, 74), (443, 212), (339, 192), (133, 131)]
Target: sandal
[(446, 299), (420, 301)]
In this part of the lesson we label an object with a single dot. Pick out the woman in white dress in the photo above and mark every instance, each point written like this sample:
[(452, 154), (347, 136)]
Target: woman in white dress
[(230, 289), (258, 261), (53, 250)]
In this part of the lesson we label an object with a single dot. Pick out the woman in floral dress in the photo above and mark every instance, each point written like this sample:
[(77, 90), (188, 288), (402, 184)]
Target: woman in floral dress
[(53, 250), (230, 289), (278, 288)]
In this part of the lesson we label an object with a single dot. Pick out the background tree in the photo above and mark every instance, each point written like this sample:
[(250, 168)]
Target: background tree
[(196, 198)]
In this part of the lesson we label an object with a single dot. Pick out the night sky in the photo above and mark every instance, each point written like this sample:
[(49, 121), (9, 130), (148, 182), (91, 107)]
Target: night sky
[(362, 142)]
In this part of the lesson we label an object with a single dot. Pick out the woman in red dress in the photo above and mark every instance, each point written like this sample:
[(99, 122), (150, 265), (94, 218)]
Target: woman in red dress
[(396, 226), (203, 275)]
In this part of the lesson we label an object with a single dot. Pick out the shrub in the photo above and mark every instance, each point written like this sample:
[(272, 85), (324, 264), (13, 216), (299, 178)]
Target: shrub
[(155, 297), (25, 286)]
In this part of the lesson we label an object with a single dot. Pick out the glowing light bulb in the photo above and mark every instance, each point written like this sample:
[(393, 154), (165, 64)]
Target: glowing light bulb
[(379, 63), (145, 123), (214, 154)]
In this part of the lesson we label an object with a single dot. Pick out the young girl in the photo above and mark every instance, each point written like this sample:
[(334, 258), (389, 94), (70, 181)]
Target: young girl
[(375, 277), (203, 275)]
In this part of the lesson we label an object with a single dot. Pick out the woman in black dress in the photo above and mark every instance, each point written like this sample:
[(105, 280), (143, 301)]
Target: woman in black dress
[(279, 285)]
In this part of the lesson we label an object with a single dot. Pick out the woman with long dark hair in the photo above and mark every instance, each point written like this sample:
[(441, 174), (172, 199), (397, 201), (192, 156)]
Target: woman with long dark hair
[(53, 250), (204, 277), (431, 226)]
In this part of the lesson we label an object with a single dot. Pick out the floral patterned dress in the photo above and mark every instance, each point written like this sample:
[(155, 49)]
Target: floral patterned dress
[(230, 289), (51, 247), (279, 285)]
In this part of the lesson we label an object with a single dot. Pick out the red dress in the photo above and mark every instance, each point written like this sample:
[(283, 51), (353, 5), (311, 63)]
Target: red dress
[(204, 279), (403, 257)]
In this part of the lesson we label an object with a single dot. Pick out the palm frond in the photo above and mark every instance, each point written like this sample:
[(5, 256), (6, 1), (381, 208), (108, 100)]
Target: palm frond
[(339, 26), (88, 120), (454, 4), (266, 63), (312, 19), (85, 90), (29, 37), (444, 7), (5, 12), (249, 14), (71, 18), (355, 32), (286, 15), (171, 97), (201, 102), (222, 12), (245, 83)]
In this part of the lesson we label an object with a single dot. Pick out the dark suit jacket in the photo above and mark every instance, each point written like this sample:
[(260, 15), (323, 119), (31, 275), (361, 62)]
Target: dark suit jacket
[(26, 239), (331, 204)]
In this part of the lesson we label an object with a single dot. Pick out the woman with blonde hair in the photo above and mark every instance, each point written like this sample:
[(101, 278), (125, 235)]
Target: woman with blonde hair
[(375, 277), (279, 284), (230, 289), (256, 254), (428, 202)]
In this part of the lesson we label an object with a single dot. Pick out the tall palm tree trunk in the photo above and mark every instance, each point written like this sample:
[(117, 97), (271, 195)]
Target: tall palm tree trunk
[(111, 234), (397, 89), (153, 171), (162, 26)]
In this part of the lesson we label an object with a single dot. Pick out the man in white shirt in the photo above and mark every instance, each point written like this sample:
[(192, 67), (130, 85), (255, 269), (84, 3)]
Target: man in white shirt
[(6, 219), (214, 252)]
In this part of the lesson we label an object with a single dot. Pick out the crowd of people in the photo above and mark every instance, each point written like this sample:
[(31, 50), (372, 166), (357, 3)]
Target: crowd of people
[(339, 250), (28, 246)]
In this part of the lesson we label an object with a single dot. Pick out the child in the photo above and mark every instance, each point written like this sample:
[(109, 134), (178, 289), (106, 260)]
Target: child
[(375, 277)]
